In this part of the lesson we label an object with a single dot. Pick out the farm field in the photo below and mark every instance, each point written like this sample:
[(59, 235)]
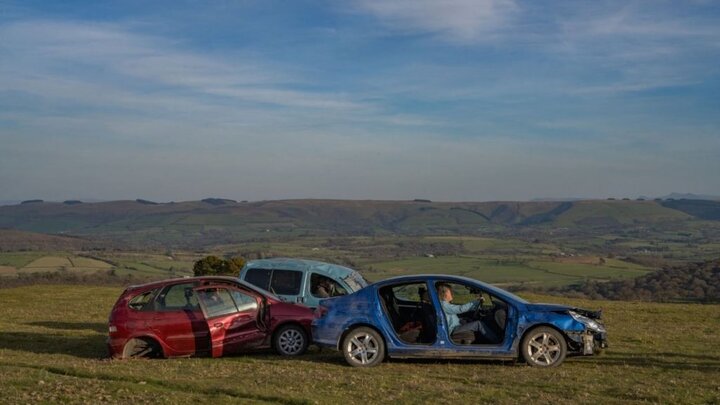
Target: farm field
[(504, 261), (512, 270), (53, 351), (142, 264)]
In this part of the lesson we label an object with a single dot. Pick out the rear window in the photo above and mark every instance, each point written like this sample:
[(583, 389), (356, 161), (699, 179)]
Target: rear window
[(142, 302)]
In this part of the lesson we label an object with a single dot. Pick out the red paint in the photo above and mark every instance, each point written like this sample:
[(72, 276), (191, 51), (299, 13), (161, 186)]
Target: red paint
[(184, 330)]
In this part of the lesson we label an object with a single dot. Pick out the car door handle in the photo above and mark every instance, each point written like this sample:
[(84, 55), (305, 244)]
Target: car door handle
[(218, 325)]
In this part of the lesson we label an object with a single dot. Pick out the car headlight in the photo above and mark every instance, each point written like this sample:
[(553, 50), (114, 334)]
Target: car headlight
[(591, 324)]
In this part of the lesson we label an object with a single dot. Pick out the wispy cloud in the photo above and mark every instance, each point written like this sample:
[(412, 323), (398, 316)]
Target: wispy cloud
[(455, 20), (98, 54)]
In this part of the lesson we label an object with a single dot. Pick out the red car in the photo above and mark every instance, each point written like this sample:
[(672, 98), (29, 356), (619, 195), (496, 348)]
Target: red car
[(204, 316)]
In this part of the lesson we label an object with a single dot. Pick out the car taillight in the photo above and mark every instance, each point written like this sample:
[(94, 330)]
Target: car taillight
[(320, 311)]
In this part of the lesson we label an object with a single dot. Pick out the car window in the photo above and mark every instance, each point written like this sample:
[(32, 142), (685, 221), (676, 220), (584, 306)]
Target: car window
[(243, 301), (140, 302), (324, 287), (408, 292), (258, 277), (217, 302), (286, 282), (355, 281), (178, 297)]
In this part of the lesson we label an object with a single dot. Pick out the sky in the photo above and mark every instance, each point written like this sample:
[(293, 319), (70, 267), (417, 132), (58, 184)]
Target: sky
[(455, 100)]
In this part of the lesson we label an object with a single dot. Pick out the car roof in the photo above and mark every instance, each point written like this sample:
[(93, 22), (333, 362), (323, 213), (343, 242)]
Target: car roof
[(451, 278), (301, 265), (162, 283)]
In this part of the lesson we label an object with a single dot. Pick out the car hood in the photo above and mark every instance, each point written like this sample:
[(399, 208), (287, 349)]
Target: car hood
[(564, 308)]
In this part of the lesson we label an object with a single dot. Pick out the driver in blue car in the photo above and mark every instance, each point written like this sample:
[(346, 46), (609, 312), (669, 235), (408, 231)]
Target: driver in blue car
[(452, 310)]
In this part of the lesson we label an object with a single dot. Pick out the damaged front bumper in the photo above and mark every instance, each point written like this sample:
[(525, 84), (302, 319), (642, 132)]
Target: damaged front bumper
[(588, 342)]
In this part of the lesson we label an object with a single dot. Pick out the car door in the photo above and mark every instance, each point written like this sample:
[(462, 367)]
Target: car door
[(233, 318), (178, 321), (452, 349)]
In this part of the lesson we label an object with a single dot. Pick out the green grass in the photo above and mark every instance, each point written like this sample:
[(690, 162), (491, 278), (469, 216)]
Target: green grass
[(506, 270), (19, 259), (53, 349)]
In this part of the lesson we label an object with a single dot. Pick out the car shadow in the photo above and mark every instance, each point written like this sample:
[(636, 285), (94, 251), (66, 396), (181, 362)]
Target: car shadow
[(87, 346), (94, 326)]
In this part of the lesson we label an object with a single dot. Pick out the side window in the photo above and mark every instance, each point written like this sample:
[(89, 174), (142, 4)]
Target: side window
[(217, 302), (244, 302), (324, 287), (258, 277), (409, 292), (143, 301), (286, 282), (178, 297)]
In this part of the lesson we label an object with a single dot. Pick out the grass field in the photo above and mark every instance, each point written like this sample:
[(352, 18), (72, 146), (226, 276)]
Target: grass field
[(535, 271), (53, 351)]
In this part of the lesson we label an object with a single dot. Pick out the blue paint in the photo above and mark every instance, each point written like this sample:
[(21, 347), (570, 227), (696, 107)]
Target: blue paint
[(365, 307)]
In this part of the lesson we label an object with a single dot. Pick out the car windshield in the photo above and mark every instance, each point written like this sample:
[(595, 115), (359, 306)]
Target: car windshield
[(355, 281)]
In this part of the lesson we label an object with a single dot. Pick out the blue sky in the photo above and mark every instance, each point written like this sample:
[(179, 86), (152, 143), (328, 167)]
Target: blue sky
[(364, 99)]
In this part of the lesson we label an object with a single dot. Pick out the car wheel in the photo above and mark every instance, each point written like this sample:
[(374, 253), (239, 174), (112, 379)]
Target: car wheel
[(544, 347), (290, 340), (142, 348), (363, 347)]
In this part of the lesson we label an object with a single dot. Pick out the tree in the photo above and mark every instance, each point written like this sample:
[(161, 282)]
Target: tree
[(214, 266)]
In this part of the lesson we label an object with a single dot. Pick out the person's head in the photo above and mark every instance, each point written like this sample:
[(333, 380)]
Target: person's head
[(444, 292)]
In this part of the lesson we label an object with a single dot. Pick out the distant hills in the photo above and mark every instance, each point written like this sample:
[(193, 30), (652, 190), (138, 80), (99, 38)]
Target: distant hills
[(216, 221), (690, 196)]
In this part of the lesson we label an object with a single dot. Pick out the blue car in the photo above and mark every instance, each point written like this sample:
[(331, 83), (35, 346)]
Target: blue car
[(406, 317)]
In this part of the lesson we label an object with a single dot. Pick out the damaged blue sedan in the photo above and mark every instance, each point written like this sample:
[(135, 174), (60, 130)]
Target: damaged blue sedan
[(446, 317)]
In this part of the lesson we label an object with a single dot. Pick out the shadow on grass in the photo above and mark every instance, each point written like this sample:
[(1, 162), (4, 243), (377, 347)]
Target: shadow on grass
[(87, 347), (94, 326)]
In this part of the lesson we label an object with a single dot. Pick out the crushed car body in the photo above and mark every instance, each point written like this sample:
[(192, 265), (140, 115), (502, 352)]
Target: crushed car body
[(204, 316), (406, 317)]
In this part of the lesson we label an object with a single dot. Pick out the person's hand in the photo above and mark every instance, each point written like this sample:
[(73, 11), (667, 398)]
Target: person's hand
[(481, 299)]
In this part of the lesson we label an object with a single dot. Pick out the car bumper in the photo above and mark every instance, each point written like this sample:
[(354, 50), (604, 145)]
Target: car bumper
[(115, 347), (321, 338), (588, 342)]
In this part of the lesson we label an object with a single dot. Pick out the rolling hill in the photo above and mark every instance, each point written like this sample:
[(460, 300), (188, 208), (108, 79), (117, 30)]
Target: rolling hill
[(208, 222)]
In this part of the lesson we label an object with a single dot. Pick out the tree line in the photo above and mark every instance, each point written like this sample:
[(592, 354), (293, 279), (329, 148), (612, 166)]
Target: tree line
[(698, 282)]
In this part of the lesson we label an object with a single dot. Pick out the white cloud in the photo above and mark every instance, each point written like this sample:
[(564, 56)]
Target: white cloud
[(456, 20), (92, 55)]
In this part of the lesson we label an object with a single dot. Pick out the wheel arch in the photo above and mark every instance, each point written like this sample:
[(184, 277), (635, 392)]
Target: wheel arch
[(290, 322), (147, 338), (568, 341), (527, 331), (360, 325)]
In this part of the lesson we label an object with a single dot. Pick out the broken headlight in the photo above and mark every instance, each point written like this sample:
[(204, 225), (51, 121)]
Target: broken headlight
[(591, 324)]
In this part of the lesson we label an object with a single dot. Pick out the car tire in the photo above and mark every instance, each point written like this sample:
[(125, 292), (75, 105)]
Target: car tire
[(290, 340), (363, 347), (544, 347), (147, 348)]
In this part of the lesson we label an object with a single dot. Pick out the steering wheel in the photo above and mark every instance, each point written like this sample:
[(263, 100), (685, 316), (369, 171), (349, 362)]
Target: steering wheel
[(480, 311)]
